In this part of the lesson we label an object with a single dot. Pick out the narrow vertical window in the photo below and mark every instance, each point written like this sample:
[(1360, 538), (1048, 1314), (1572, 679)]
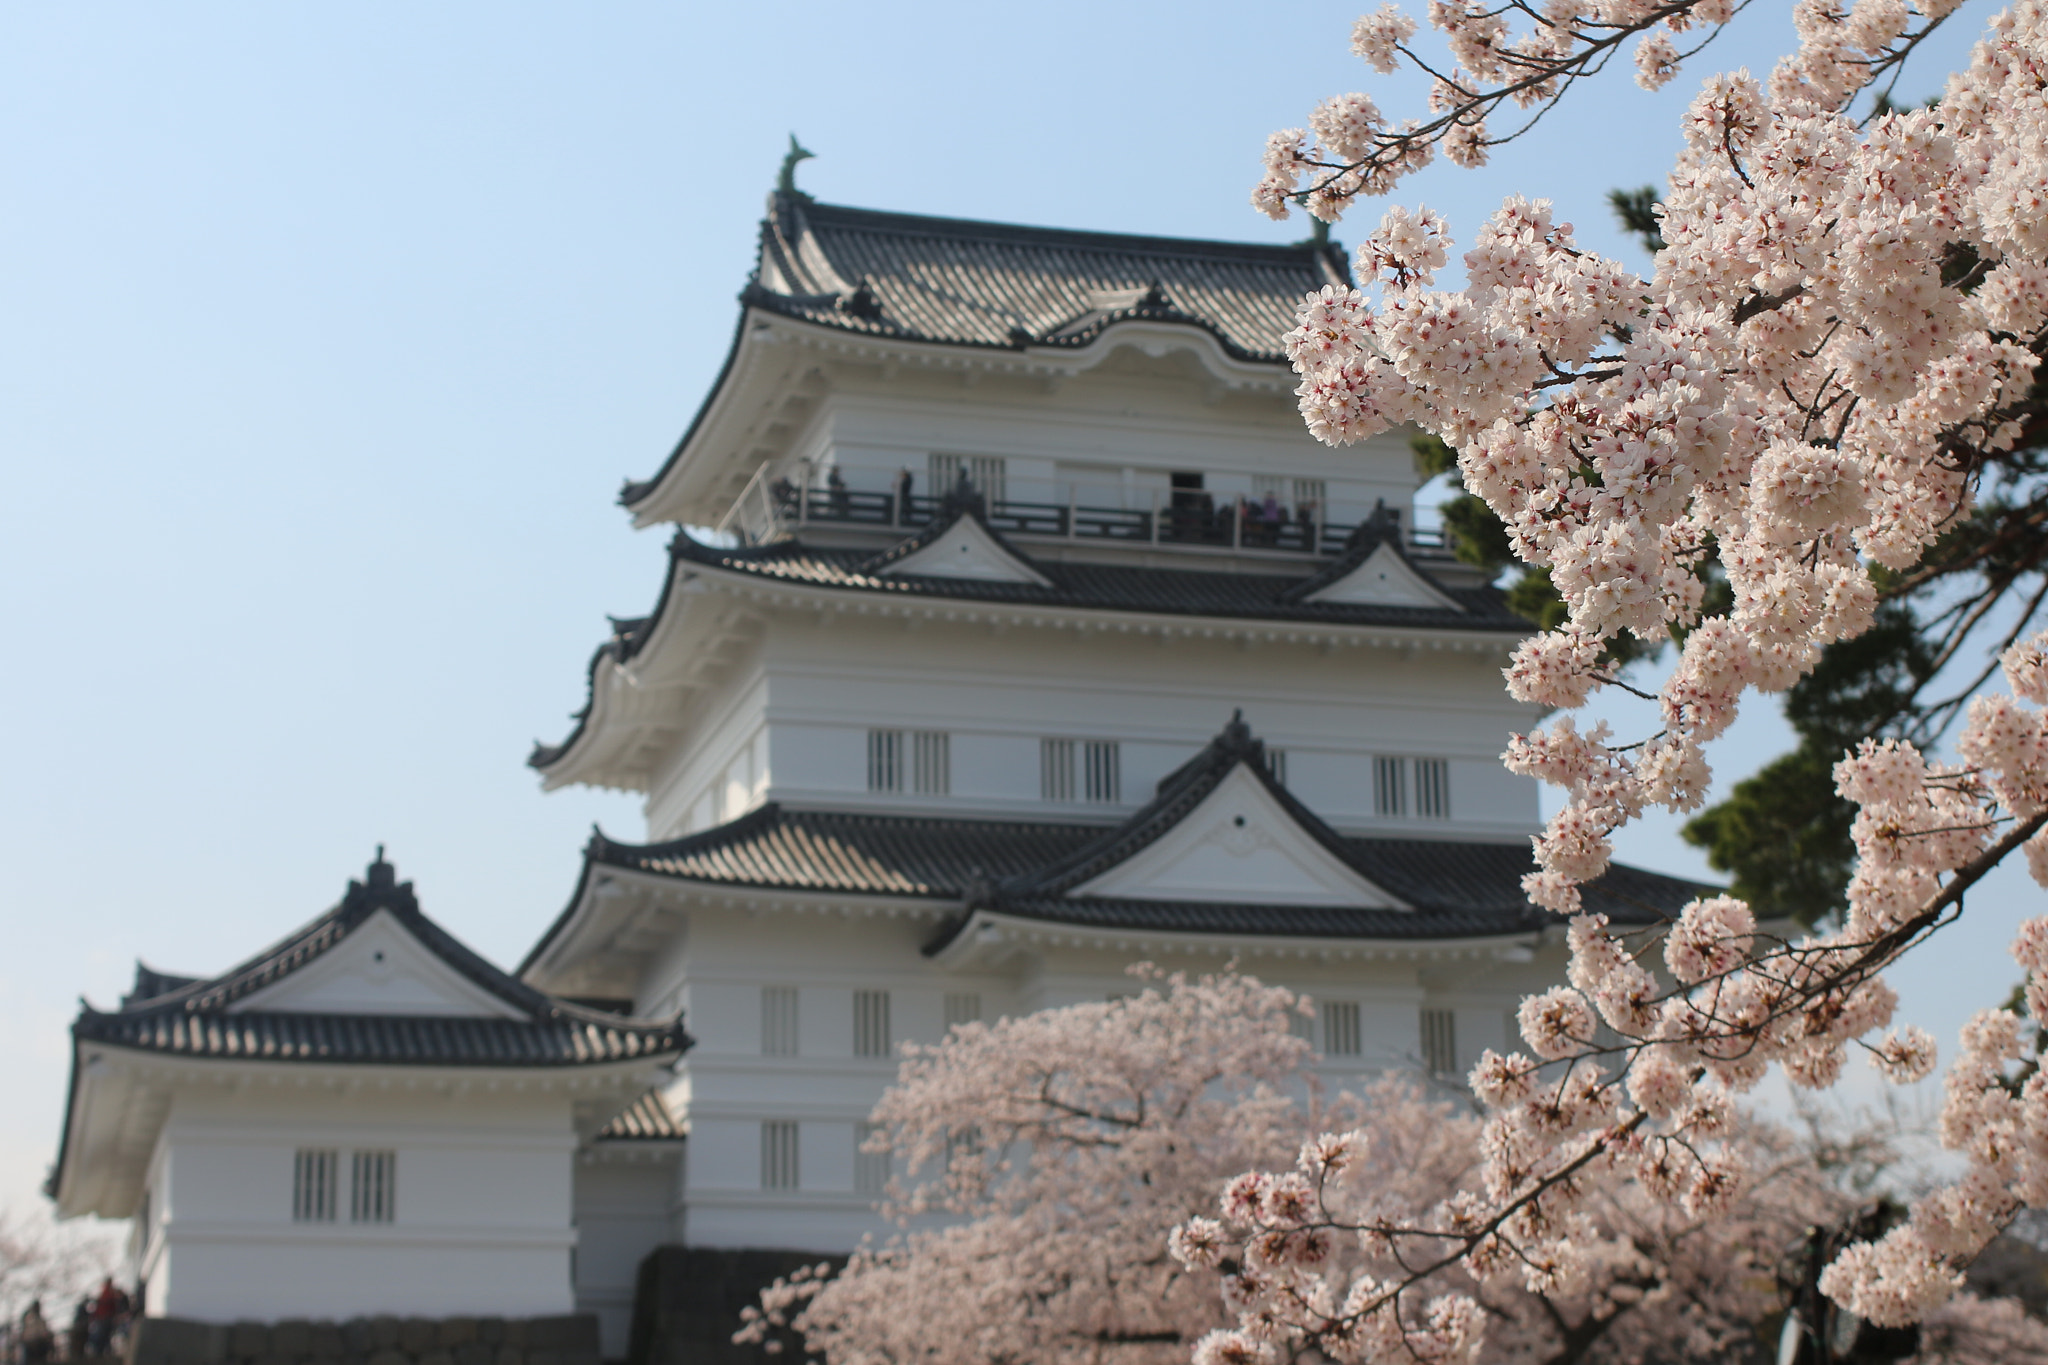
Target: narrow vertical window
[(1390, 786), (315, 1174), (1104, 773), (1440, 1042), (885, 760), (871, 1023), (1432, 789), (373, 1187), (1302, 1026), (870, 1169), (931, 762), (778, 1155), (1276, 764), (962, 1007), (778, 1021), (1340, 1029), (1056, 769)]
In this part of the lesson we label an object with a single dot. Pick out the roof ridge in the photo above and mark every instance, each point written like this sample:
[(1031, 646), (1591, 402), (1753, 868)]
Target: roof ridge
[(851, 217)]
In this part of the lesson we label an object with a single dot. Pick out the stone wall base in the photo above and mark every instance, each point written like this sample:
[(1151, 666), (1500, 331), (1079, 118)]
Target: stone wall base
[(687, 1303), (568, 1340)]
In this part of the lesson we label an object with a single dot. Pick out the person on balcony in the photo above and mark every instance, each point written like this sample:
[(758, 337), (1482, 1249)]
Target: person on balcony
[(835, 489)]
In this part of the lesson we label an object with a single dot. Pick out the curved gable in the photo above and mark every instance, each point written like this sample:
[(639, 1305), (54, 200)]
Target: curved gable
[(1238, 846)]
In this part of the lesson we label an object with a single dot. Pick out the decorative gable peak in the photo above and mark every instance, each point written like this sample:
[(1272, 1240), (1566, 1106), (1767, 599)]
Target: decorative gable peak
[(960, 545), (1375, 572), (1219, 830), (1239, 845), (379, 968), (381, 962), (1386, 579)]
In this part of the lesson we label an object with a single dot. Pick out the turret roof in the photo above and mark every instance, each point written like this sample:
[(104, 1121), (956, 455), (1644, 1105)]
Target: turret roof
[(1006, 286), (206, 1016)]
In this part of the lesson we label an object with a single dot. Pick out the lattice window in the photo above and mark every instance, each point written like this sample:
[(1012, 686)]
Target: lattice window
[(778, 1021), (1432, 789), (1390, 786), (1056, 769), (316, 1176), (373, 1187), (988, 473), (962, 1007), (1440, 1042), (1103, 783), (931, 762), (1341, 1037), (778, 1155), (870, 1169), (871, 1023), (885, 760), (1302, 1026)]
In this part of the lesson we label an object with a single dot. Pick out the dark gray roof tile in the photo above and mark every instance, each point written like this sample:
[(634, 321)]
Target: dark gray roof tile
[(198, 1016), (967, 283)]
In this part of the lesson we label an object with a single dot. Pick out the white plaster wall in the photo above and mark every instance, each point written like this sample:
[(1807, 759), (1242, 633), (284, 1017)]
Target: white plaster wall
[(998, 693), (482, 1212)]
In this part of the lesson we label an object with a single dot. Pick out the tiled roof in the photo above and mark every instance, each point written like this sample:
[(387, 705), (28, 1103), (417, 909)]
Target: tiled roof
[(195, 1017), (1003, 285), (1107, 587), (426, 1040), (899, 855), (1457, 888), (647, 1119)]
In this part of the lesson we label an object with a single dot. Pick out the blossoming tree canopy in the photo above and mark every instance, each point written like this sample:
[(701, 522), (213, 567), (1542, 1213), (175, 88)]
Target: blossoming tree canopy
[(1841, 333), (1062, 1144)]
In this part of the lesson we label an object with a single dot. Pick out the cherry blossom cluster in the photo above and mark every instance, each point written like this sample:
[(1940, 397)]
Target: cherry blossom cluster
[(1515, 57), (1097, 1126), (1636, 1072), (1805, 387)]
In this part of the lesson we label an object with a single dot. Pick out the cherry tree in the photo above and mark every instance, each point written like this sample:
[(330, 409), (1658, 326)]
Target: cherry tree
[(1841, 335), (1058, 1147)]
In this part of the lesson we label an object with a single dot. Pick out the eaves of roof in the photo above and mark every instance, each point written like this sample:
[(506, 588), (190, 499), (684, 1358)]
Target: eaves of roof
[(1103, 587), (1457, 889), (565, 1039)]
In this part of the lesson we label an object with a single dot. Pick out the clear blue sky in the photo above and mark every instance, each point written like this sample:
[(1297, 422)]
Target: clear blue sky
[(327, 334)]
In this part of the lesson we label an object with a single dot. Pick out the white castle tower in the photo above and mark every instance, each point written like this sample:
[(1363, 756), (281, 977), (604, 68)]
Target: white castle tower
[(1033, 636), (1014, 631)]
